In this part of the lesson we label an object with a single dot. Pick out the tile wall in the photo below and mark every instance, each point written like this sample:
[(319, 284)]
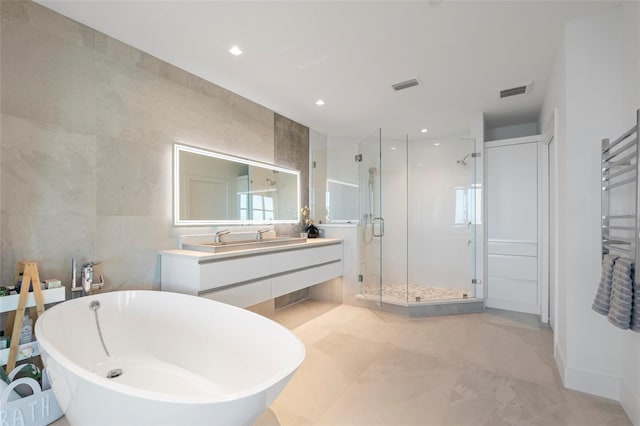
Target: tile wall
[(87, 126)]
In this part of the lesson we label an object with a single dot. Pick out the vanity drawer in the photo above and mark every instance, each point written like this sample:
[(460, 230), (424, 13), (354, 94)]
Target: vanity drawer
[(284, 284), (242, 295), (327, 272), (294, 259), (221, 273), (328, 253)]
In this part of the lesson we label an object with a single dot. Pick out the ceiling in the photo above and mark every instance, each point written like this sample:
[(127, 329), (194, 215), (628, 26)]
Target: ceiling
[(348, 53)]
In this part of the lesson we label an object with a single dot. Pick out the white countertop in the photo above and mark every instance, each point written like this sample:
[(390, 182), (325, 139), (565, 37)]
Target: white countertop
[(202, 256)]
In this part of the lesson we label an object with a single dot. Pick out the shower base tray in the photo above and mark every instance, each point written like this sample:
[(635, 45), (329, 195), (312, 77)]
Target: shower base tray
[(397, 293), (423, 300)]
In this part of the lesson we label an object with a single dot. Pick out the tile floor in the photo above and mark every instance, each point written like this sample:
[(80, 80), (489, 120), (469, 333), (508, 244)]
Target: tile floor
[(365, 367)]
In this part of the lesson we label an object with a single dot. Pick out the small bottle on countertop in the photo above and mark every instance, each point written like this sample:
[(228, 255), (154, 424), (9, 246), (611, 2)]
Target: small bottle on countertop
[(27, 329), (5, 341)]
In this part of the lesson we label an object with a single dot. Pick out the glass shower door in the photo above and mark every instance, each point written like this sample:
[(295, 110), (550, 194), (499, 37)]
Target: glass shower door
[(424, 248), (371, 224), (444, 213), (394, 156)]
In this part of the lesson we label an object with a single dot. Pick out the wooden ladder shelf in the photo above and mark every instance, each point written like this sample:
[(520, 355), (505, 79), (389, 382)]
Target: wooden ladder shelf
[(30, 278)]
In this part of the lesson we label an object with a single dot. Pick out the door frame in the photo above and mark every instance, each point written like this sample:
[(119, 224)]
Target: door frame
[(543, 226), (549, 135)]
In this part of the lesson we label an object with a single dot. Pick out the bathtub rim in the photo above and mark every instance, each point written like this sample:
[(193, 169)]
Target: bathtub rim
[(47, 349)]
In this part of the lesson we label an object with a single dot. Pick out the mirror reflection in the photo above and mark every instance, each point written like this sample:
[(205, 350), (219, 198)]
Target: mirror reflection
[(212, 188)]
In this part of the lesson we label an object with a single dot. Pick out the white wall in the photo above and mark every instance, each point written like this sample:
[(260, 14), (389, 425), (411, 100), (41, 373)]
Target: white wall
[(333, 158), (592, 86), (317, 173), (630, 363), (348, 289)]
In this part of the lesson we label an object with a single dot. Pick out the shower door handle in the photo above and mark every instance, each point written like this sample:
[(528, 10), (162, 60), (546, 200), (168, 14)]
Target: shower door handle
[(381, 227)]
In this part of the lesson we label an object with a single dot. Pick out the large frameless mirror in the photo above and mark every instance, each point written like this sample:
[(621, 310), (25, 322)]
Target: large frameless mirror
[(210, 188)]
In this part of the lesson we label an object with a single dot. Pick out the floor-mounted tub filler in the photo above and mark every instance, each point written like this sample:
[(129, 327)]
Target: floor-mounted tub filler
[(160, 358)]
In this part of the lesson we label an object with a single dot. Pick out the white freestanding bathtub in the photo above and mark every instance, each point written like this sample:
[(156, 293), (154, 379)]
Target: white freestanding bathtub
[(184, 360)]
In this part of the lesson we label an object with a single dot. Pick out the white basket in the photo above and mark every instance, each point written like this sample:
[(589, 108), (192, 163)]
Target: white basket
[(39, 409)]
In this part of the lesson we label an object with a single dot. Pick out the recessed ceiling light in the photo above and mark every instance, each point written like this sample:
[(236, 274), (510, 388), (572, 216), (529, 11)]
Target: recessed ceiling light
[(393, 148), (424, 130), (235, 50), (437, 144), (319, 102)]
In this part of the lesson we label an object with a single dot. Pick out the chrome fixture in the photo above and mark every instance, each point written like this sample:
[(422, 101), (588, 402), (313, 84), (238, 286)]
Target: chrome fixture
[(372, 172), (86, 278), (368, 217), (94, 306), (116, 372), (405, 84), (260, 232), (74, 276), (370, 183), (463, 161), (219, 234)]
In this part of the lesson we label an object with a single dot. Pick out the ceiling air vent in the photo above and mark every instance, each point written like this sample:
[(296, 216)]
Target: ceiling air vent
[(522, 89), (405, 84)]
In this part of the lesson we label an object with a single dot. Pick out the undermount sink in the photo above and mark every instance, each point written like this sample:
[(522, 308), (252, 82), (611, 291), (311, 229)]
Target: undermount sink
[(226, 247)]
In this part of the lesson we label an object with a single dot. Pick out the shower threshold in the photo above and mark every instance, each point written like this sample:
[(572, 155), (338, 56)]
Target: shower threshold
[(401, 293), (424, 308)]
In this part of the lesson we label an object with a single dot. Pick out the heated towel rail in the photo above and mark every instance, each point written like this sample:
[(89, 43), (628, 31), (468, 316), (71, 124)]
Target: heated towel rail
[(621, 195)]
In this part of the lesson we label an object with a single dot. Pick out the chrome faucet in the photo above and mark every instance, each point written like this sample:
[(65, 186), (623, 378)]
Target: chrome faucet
[(260, 232), (86, 281), (74, 276), (87, 278), (219, 234)]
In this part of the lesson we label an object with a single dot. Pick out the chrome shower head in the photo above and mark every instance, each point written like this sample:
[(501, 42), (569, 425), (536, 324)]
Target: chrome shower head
[(462, 162)]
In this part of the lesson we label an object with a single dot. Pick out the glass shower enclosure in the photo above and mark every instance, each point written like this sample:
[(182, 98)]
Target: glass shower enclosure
[(421, 214)]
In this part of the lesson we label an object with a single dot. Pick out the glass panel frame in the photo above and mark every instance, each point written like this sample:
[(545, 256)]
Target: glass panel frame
[(370, 202)]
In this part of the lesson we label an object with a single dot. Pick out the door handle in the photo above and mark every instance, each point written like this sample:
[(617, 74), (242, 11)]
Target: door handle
[(381, 227)]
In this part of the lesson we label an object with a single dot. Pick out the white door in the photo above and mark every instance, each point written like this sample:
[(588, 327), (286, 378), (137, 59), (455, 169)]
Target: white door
[(512, 225)]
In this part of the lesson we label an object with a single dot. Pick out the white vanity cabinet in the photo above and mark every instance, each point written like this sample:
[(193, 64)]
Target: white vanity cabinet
[(247, 277)]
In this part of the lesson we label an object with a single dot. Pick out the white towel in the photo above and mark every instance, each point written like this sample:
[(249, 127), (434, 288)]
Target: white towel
[(621, 305), (602, 302)]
